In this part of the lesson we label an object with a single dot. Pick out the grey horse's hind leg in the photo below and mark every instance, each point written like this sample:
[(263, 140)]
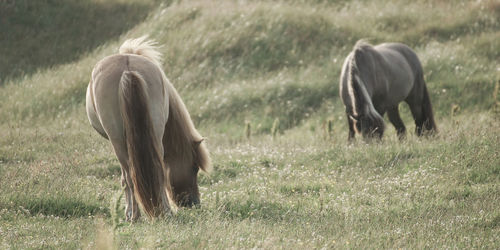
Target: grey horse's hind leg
[(395, 119), (416, 102)]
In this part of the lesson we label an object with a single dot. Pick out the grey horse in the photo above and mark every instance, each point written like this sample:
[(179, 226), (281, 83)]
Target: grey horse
[(374, 80)]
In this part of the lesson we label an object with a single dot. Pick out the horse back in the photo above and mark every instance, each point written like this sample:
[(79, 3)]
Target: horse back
[(106, 78), (407, 54), (109, 70), (400, 67)]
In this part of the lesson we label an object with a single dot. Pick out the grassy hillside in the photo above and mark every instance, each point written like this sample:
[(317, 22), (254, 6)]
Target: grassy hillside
[(37, 35), (254, 62)]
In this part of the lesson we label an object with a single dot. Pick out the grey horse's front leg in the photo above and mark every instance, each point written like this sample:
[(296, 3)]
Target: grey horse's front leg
[(395, 119), (352, 132)]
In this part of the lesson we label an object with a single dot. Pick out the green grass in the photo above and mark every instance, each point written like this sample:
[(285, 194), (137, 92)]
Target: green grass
[(255, 62)]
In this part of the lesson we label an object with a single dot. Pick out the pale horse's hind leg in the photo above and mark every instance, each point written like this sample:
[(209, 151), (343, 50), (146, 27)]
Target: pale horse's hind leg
[(132, 212), (395, 119)]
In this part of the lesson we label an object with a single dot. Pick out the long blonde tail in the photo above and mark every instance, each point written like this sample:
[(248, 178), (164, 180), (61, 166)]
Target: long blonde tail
[(145, 159)]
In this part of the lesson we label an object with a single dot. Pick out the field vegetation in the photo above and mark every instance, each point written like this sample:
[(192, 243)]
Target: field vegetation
[(260, 79)]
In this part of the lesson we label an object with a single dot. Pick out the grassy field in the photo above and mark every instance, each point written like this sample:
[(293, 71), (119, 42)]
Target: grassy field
[(246, 65)]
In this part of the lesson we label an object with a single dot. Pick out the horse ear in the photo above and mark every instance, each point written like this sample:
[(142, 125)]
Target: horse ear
[(197, 143)]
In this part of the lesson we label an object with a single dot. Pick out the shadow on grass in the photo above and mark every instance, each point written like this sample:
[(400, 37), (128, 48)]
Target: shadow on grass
[(62, 207), (490, 224), (40, 34)]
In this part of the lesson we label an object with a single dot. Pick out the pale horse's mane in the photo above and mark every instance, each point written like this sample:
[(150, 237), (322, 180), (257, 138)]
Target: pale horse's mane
[(142, 46), (182, 142)]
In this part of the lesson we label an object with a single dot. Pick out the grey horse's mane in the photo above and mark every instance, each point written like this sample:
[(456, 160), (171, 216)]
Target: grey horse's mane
[(356, 57), (362, 56), (361, 46)]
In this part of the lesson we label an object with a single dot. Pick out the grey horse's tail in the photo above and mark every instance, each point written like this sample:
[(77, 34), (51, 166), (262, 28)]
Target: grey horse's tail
[(429, 123), (145, 159)]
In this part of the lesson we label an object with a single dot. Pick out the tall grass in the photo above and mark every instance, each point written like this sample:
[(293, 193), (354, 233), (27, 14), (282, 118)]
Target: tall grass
[(272, 67)]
